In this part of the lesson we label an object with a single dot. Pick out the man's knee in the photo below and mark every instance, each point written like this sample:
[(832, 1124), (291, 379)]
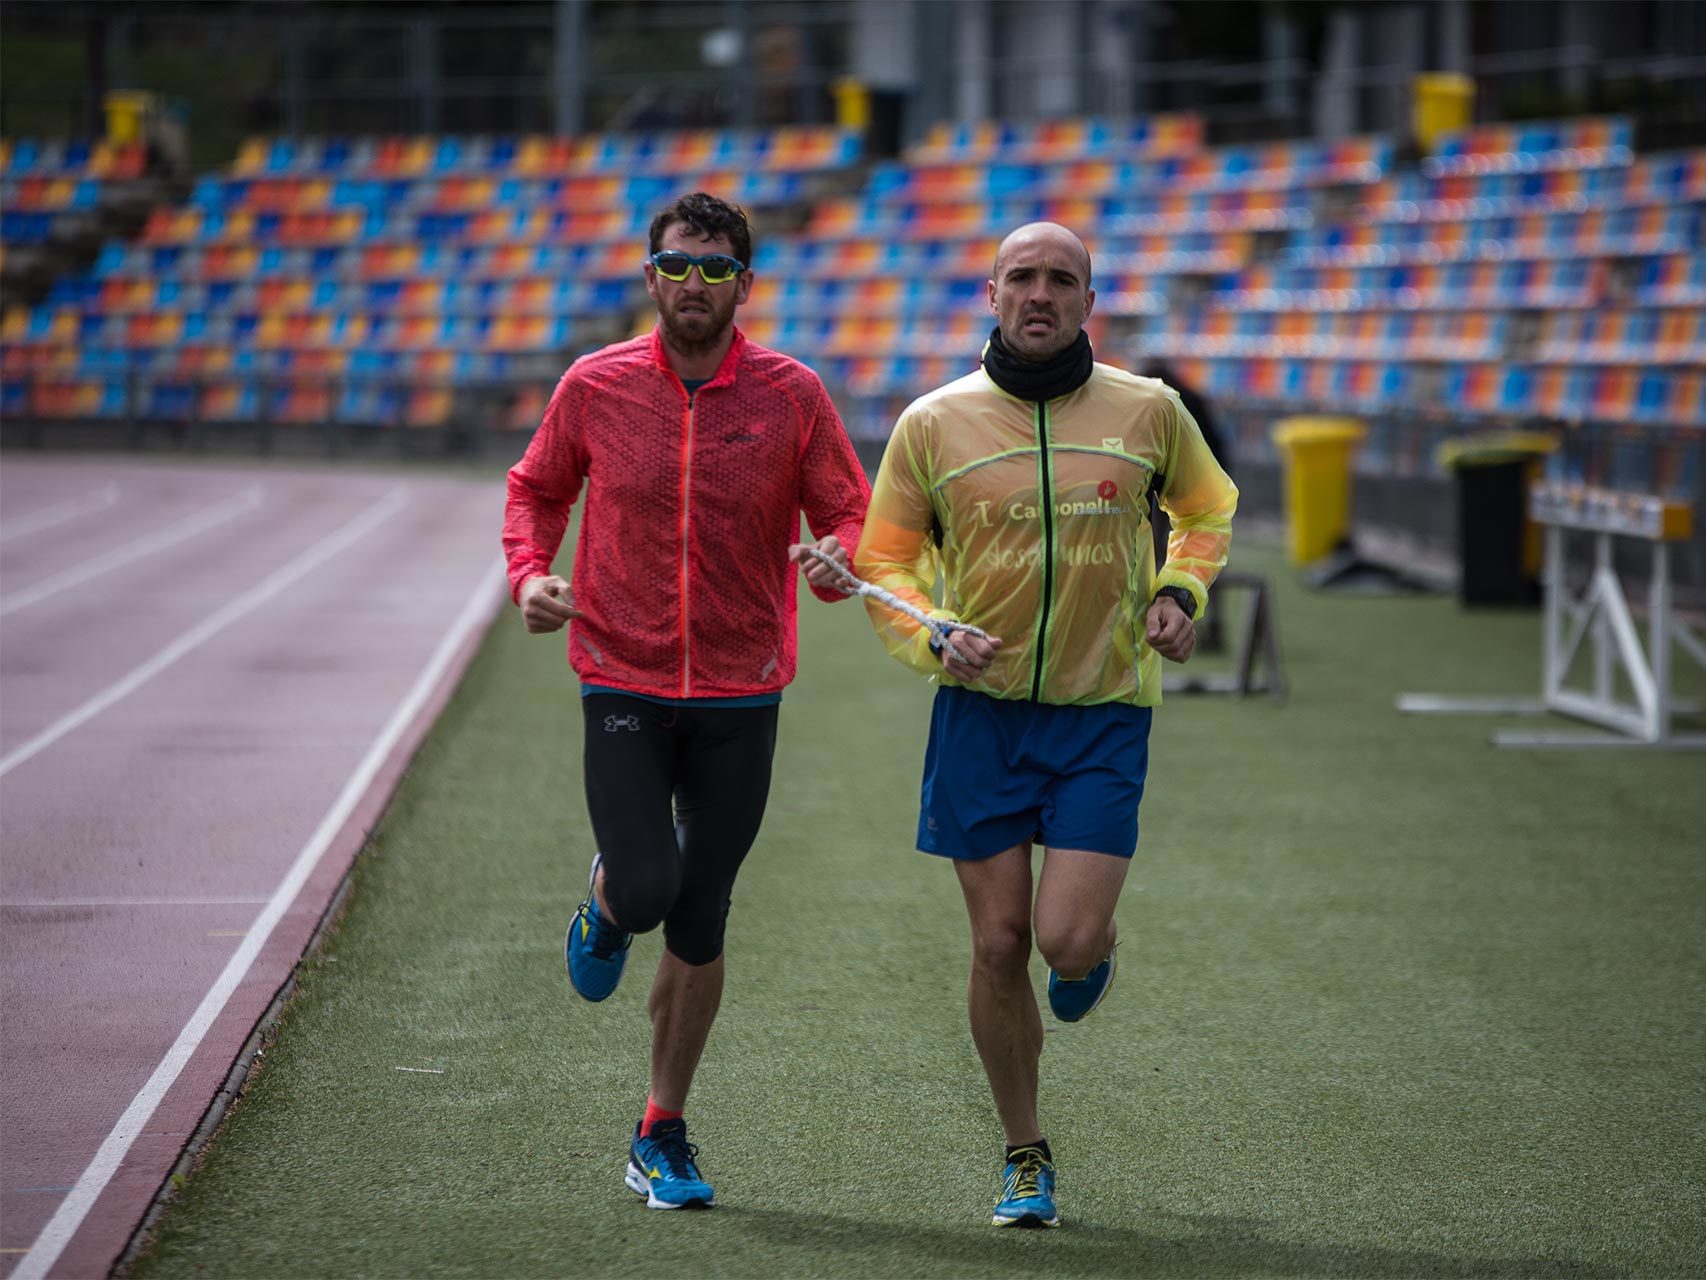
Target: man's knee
[(1002, 944), (639, 903), (696, 936), (1074, 948)]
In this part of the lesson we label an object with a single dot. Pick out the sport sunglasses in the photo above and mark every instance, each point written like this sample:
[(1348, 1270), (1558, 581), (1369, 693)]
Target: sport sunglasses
[(714, 268)]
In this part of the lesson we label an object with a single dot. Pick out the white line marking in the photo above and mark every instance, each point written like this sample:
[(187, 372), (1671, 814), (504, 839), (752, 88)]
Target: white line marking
[(320, 552), (60, 512), (46, 904), (248, 500), (420, 1071), (75, 1207)]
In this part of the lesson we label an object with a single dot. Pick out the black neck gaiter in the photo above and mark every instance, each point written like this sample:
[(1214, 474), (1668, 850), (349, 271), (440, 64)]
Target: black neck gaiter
[(1061, 373)]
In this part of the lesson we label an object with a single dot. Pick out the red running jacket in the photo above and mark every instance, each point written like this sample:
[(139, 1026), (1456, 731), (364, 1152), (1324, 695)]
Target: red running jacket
[(682, 565)]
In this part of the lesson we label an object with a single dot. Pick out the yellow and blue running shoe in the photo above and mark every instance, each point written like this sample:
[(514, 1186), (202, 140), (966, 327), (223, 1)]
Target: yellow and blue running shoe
[(1027, 1191), (662, 1167), (595, 950), (1072, 1001)]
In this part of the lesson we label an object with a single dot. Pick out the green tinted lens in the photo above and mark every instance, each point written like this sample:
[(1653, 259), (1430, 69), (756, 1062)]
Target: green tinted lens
[(716, 269), (672, 266)]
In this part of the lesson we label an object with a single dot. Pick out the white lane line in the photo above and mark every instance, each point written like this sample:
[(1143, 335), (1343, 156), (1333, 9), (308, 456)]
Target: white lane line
[(75, 1207), (60, 513), (310, 559), (94, 567), (48, 904)]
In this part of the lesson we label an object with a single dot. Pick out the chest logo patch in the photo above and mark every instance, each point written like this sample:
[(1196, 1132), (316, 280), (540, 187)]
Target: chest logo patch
[(1116, 443), (1106, 490)]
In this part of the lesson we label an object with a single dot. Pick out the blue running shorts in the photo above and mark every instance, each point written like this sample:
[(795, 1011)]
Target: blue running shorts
[(999, 772)]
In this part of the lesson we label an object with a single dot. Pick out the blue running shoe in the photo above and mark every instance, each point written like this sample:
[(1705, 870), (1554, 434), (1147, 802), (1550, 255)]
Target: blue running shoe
[(1073, 1001), (1027, 1191), (662, 1168), (594, 950)]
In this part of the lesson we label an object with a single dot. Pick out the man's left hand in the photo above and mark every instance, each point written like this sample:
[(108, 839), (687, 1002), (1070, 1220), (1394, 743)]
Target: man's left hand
[(1170, 633), (818, 574)]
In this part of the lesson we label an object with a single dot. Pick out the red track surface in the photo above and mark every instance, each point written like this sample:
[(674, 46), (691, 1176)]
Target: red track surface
[(195, 663)]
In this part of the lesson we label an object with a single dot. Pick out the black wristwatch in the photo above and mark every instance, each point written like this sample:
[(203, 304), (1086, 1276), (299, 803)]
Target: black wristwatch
[(1180, 597)]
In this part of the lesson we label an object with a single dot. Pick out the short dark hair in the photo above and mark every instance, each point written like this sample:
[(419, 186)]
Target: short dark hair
[(705, 215)]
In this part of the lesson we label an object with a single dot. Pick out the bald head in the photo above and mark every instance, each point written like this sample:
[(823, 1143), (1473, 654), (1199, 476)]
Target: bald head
[(1045, 233), (1041, 292)]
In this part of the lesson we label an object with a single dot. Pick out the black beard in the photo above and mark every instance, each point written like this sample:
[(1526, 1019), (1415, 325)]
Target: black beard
[(689, 345)]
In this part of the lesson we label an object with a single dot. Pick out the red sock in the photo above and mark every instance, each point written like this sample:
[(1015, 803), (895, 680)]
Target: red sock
[(655, 1115)]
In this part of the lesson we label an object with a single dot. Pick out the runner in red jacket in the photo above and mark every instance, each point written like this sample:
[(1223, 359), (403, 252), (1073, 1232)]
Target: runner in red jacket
[(698, 451)]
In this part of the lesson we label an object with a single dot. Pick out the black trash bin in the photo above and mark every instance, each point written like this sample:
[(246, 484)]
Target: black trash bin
[(1498, 546)]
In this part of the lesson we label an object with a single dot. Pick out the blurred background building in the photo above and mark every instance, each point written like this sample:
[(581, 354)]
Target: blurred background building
[(1254, 70), (346, 227)]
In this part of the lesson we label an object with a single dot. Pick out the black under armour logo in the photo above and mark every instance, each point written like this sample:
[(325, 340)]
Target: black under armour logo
[(613, 723)]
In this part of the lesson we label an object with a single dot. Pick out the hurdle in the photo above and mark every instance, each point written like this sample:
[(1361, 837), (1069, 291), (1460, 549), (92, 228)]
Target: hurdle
[(1600, 614)]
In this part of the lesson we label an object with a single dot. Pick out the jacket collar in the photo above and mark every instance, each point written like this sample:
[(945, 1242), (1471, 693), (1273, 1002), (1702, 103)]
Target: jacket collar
[(725, 371)]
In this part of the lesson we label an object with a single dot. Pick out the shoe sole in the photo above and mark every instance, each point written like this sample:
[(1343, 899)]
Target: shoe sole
[(1026, 1221), (637, 1182), (1113, 970)]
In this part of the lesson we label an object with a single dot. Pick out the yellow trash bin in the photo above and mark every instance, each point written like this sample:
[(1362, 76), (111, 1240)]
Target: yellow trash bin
[(127, 113), (852, 103), (1316, 453), (1440, 102)]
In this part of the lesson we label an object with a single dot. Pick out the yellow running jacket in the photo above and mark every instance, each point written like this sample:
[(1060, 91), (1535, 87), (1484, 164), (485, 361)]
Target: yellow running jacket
[(1035, 518)]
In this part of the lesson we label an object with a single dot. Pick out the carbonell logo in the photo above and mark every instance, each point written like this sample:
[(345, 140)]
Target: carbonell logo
[(1100, 507)]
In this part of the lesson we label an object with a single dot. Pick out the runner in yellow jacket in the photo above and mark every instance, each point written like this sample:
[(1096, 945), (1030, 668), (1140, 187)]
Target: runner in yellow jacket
[(1024, 489), (1041, 507)]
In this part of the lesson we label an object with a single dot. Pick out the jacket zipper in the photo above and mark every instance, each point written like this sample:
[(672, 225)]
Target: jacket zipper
[(686, 607), (1047, 504)]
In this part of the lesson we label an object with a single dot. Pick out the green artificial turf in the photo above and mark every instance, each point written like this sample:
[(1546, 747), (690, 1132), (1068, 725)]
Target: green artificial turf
[(1391, 1002)]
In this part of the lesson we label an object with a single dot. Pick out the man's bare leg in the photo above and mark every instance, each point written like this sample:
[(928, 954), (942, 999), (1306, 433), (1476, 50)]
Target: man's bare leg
[(1005, 1023), (683, 1005), (1077, 892)]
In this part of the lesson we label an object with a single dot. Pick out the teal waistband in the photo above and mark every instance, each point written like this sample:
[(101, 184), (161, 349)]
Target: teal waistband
[(751, 700)]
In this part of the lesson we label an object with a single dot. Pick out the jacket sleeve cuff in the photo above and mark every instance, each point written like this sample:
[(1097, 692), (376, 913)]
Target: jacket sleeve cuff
[(518, 579), (1186, 583)]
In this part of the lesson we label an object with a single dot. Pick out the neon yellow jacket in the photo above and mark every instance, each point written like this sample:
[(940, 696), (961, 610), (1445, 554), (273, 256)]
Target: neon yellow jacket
[(1034, 515)]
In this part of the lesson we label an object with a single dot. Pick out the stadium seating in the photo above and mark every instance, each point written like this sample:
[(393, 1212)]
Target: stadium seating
[(1533, 270), (1160, 212), (1519, 270), (385, 281), (40, 181)]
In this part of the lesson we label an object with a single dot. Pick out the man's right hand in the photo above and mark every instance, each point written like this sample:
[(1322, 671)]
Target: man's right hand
[(977, 652), (546, 603)]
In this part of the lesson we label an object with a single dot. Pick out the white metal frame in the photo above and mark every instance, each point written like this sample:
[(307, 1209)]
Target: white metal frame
[(1601, 615)]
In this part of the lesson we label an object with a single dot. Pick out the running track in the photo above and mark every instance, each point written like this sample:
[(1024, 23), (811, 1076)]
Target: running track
[(211, 679)]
